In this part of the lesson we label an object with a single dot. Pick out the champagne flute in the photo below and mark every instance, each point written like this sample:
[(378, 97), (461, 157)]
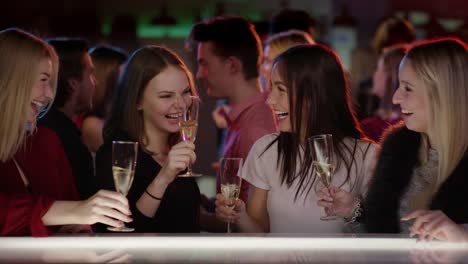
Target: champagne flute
[(230, 181), (323, 162), (124, 159), (188, 125)]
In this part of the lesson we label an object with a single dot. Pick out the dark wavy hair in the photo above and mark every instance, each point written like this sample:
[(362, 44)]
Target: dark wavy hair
[(319, 104)]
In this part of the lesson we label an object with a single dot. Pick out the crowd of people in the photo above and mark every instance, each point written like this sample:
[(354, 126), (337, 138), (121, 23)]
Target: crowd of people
[(400, 167)]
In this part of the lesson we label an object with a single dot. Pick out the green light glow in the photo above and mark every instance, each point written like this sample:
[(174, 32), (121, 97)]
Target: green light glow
[(146, 30)]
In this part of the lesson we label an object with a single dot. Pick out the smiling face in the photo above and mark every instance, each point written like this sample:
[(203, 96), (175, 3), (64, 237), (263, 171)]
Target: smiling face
[(410, 95), (163, 100), (278, 100), (42, 92)]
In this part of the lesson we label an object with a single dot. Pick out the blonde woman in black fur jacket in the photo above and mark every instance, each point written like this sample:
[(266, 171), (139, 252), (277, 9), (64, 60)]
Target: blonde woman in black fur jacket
[(423, 165)]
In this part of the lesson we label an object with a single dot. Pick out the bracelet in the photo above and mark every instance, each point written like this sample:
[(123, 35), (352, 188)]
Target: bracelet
[(152, 196), (357, 212)]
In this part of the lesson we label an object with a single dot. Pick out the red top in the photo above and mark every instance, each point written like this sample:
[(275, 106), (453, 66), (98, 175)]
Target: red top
[(247, 122), (46, 167)]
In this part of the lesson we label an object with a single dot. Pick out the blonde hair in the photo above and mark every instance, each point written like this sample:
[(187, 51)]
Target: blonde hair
[(279, 43), (20, 56), (442, 65), (282, 41)]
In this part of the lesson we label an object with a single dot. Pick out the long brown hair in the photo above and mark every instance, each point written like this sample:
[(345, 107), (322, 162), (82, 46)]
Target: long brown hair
[(319, 104), (143, 65)]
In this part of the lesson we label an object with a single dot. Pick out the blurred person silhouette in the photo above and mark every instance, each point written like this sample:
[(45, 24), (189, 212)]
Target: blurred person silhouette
[(108, 62), (390, 31), (384, 85), (75, 88)]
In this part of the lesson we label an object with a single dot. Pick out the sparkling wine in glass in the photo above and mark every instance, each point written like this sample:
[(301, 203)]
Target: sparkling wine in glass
[(230, 181), (188, 125), (124, 159), (323, 162)]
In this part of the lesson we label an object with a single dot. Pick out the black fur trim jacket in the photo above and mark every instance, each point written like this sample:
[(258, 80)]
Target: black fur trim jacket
[(398, 157)]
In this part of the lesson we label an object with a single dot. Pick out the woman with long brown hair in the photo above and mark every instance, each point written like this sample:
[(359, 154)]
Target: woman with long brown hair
[(310, 96), (150, 98)]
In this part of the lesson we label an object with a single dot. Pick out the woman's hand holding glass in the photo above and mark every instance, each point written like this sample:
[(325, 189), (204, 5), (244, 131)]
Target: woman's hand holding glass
[(178, 159), (336, 201), (124, 160), (107, 207), (230, 182), (225, 212)]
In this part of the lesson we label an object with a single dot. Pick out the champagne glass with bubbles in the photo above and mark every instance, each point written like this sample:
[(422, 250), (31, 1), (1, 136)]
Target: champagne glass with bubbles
[(188, 125), (124, 159), (323, 163), (230, 181)]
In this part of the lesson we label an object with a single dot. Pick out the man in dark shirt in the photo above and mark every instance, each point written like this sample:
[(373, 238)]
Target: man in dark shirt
[(76, 83)]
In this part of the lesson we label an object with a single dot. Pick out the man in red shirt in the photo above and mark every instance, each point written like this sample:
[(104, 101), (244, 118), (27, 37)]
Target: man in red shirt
[(229, 54)]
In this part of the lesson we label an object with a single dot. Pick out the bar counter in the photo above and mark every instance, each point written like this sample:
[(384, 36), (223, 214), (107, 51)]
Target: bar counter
[(210, 248)]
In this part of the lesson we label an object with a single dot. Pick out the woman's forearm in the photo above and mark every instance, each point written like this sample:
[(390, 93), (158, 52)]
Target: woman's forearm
[(247, 224), (150, 200), (61, 213)]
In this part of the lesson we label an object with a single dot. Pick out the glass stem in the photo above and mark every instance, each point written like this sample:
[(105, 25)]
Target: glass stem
[(229, 227), (189, 168)]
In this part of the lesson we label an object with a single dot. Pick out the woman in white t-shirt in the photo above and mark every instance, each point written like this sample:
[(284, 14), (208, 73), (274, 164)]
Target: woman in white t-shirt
[(310, 96)]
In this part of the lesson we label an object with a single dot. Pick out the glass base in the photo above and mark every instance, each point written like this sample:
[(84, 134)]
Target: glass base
[(328, 218), (188, 174), (121, 229)]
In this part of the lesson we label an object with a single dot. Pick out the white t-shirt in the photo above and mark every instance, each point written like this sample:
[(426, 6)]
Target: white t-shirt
[(303, 215)]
